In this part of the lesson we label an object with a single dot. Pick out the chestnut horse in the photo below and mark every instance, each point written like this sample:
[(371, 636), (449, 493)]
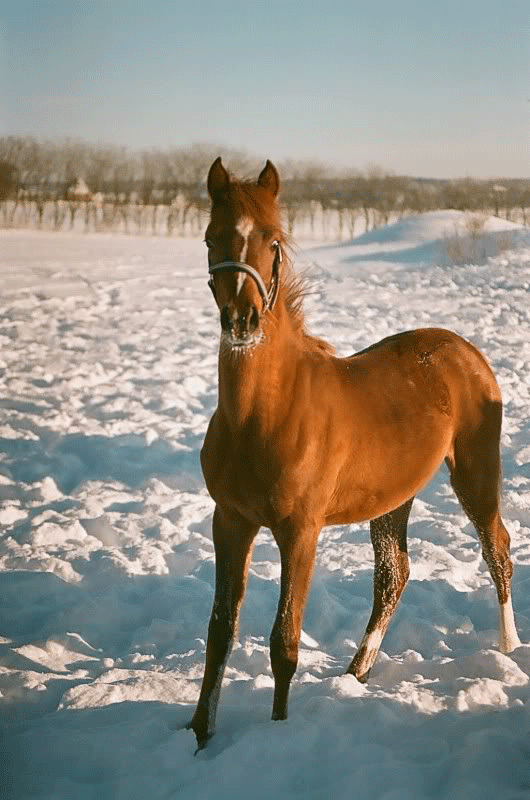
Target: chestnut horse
[(301, 439)]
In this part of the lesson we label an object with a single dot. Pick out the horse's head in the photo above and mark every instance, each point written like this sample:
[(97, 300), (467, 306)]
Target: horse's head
[(244, 251)]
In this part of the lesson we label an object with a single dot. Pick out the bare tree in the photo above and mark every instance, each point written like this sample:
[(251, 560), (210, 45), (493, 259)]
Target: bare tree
[(524, 203), (170, 186), (8, 180)]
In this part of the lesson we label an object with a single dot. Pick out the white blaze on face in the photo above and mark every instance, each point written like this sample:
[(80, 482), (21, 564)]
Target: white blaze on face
[(244, 227)]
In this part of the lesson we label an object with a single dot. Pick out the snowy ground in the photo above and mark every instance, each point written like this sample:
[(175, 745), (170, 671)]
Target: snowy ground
[(108, 374)]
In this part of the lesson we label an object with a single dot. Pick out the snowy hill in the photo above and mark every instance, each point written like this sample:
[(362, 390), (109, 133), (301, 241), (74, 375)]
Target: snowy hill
[(108, 350), (432, 226), (436, 237)]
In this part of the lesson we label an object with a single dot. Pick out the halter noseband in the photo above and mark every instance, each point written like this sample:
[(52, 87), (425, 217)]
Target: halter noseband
[(269, 295)]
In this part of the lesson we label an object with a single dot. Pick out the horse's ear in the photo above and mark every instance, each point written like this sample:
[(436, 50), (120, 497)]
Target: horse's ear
[(269, 178), (218, 178)]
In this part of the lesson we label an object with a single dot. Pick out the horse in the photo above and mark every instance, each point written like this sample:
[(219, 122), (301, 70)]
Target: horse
[(302, 438)]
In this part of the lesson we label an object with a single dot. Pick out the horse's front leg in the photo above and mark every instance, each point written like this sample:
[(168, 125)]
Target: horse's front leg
[(297, 545), (233, 538)]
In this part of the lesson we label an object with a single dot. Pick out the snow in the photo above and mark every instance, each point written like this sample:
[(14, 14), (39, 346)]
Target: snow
[(108, 351)]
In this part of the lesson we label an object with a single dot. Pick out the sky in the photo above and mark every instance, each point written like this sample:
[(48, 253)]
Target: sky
[(434, 89)]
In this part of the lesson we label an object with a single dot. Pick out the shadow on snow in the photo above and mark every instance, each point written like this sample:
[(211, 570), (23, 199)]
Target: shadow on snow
[(73, 459)]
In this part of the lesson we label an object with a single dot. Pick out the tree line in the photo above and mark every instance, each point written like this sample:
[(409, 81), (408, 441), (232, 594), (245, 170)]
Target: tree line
[(163, 191)]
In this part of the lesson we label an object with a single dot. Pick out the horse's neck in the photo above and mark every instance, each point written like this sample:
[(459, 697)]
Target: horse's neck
[(254, 383)]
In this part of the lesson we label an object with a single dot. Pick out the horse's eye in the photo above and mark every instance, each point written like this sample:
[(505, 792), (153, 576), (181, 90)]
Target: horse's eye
[(209, 243)]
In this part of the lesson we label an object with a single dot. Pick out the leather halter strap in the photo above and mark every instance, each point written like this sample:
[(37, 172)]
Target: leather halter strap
[(268, 296)]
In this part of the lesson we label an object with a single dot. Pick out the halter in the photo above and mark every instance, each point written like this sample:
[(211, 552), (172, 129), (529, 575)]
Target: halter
[(269, 295)]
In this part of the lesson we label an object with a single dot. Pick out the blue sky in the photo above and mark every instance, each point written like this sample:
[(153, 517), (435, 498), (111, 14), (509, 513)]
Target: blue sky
[(425, 88)]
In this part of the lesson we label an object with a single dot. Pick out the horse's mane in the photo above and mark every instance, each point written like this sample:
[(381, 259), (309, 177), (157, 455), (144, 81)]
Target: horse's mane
[(295, 288), (254, 201)]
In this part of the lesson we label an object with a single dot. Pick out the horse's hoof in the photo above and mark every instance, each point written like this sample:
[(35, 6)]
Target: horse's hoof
[(201, 744), (362, 678), (202, 739)]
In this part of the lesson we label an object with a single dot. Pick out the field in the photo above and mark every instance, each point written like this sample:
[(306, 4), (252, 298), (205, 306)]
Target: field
[(108, 354)]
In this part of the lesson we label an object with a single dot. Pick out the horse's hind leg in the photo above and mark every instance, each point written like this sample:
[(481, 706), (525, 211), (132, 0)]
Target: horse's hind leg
[(475, 477), (391, 572)]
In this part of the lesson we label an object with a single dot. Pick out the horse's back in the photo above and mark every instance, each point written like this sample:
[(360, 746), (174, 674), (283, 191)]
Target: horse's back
[(440, 359)]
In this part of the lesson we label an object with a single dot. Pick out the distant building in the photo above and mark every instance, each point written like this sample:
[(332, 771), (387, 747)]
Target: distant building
[(78, 191)]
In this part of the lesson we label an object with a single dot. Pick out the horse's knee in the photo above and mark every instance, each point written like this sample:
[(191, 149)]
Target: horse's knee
[(284, 660), (284, 656), (221, 632), (493, 536)]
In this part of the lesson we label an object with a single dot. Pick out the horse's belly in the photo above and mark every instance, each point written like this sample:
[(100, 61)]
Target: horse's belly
[(372, 485)]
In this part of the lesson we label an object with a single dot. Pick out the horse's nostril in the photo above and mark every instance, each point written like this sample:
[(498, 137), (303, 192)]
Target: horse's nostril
[(239, 324), (253, 319), (226, 322)]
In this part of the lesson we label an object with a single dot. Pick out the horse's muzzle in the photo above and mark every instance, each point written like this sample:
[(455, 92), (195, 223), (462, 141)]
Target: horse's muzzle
[(240, 326)]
